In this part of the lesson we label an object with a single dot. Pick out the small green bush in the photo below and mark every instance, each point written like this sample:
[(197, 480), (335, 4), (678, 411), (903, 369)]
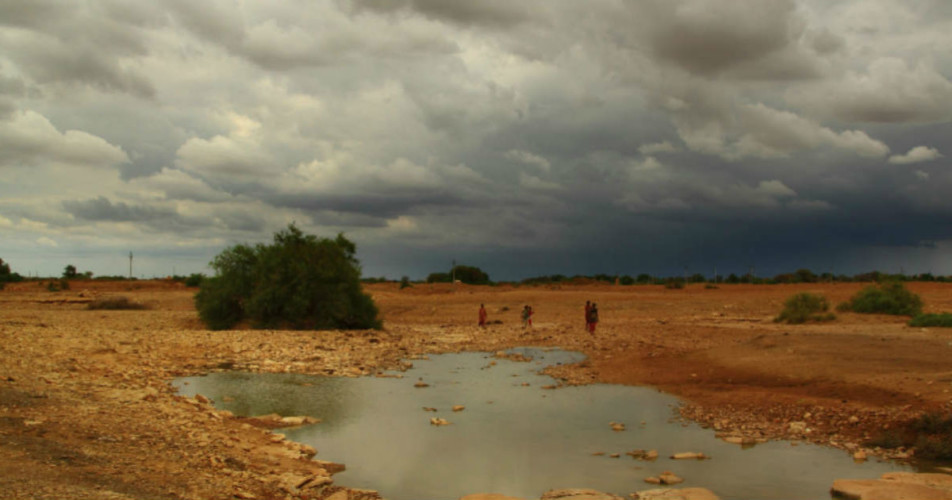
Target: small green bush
[(887, 298), (194, 279), (929, 433), (942, 320), (674, 283), (115, 304), (804, 307), (405, 282)]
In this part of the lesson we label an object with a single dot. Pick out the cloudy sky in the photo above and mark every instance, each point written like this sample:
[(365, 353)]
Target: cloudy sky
[(526, 138)]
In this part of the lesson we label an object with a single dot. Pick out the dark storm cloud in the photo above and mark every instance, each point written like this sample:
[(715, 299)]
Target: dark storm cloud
[(489, 13), (525, 137), (709, 37), (102, 209)]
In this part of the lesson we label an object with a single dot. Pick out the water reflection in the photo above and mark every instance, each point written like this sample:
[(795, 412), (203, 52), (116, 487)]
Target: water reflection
[(514, 437)]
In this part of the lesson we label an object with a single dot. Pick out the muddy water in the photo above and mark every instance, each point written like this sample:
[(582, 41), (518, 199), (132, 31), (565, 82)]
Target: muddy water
[(515, 436)]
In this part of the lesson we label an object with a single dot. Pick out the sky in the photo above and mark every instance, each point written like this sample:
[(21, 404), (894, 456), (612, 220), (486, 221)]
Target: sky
[(526, 138)]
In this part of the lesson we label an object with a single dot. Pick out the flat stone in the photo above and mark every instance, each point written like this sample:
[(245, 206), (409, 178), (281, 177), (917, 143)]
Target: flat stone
[(899, 486), (688, 455), (676, 494), (489, 496), (578, 494)]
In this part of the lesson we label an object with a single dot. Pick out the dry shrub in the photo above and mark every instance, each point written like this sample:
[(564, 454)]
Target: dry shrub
[(115, 304)]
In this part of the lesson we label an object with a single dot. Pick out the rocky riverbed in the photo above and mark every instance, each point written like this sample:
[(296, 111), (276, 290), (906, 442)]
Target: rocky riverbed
[(86, 410)]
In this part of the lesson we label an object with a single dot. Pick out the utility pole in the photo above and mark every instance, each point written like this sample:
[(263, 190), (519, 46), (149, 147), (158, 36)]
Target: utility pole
[(130, 265)]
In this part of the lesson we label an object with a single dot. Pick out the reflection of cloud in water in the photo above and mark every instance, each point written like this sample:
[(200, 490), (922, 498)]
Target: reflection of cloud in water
[(528, 440)]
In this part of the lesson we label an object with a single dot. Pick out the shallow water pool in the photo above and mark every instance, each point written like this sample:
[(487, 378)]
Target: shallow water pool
[(515, 437)]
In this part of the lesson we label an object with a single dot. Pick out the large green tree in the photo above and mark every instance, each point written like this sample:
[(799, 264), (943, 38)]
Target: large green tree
[(299, 281)]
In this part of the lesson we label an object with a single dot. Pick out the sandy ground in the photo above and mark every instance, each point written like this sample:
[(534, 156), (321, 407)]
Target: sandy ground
[(86, 410)]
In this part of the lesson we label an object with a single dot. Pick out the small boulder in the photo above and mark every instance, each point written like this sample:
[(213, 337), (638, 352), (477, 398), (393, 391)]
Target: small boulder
[(688, 455), (439, 421)]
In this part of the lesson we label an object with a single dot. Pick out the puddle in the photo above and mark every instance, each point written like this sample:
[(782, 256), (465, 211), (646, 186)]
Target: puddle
[(515, 437)]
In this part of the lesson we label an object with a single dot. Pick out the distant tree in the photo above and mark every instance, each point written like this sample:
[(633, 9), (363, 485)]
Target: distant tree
[(299, 282), (405, 282), (626, 280), (697, 278), (644, 278), (70, 272), (439, 278), (805, 276), (470, 275), (6, 276), (732, 278), (194, 279)]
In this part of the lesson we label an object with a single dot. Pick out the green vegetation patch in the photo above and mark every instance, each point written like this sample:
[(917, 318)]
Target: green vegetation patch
[(804, 307), (930, 434), (300, 282), (887, 298), (941, 319)]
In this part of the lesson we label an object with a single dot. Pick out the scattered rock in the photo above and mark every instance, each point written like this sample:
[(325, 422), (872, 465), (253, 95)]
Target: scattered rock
[(642, 454), (617, 426), (489, 496), (896, 485), (578, 494), (439, 421), (427, 408), (459, 408), (666, 478), (687, 455), (676, 494)]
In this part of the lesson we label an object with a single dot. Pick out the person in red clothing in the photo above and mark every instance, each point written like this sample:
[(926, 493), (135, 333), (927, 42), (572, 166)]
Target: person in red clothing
[(482, 315), (593, 318), (588, 310)]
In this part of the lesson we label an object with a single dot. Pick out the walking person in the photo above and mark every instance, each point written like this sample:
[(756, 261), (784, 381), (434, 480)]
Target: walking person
[(482, 315), (592, 318), (588, 311), (526, 317)]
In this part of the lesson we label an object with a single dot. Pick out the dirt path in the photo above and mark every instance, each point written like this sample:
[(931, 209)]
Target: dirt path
[(86, 410)]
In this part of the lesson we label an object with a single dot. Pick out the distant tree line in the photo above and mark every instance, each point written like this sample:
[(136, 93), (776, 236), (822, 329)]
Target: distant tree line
[(798, 276), (466, 274)]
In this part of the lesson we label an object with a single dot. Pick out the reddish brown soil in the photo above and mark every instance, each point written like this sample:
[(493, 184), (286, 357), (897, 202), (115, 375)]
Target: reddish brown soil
[(86, 410)]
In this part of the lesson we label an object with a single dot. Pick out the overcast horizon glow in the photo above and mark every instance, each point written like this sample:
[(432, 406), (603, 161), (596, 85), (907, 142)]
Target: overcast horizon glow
[(526, 138)]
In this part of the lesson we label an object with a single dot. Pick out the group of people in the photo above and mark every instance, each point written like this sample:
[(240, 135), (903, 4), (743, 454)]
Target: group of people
[(591, 316)]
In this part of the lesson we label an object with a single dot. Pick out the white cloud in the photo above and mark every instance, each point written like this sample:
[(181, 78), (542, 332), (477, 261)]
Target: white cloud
[(916, 155), (529, 159), (46, 242), (657, 147), (775, 133), (28, 138), (888, 91), (532, 182)]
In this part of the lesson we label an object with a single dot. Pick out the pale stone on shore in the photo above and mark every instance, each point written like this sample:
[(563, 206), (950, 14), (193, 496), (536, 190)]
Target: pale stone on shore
[(439, 421), (688, 455), (675, 494), (578, 494), (459, 408), (617, 426), (896, 485), (666, 477), (489, 496)]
